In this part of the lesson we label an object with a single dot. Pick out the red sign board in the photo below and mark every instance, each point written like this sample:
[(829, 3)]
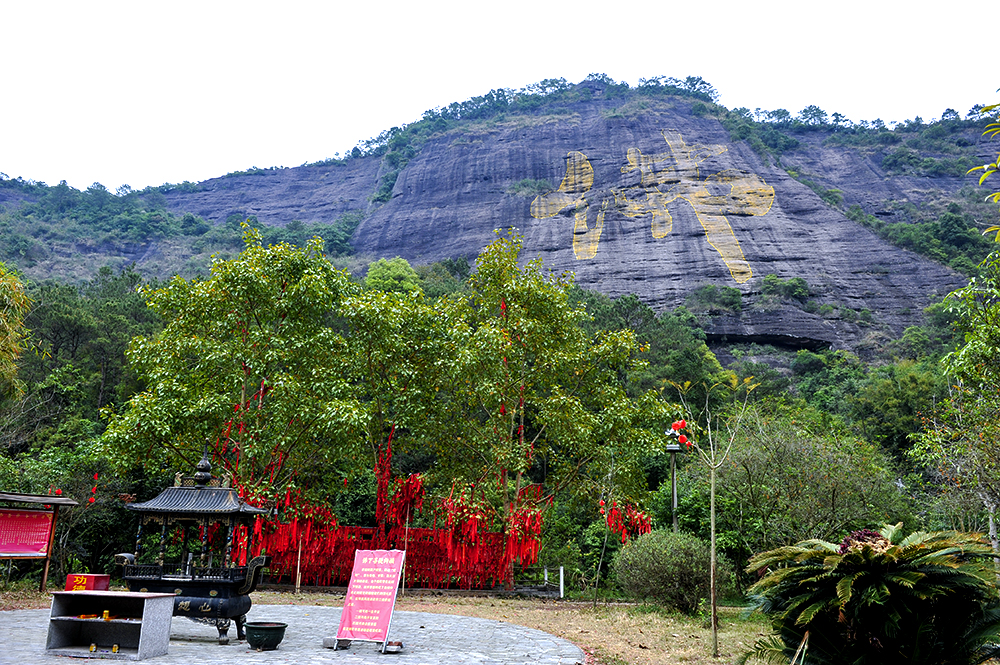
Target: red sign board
[(24, 533), (84, 582), (371, 595)]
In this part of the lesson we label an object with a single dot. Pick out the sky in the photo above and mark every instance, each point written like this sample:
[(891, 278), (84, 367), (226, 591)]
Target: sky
[(144, 93)]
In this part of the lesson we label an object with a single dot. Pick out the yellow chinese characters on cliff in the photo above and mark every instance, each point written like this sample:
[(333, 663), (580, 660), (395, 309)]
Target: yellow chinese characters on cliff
[(664, 178)]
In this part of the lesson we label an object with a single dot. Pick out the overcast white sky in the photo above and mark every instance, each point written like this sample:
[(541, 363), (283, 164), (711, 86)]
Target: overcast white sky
[(144, 93)]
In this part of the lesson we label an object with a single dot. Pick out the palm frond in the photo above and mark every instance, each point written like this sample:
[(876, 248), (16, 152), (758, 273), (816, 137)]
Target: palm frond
[(845, 586), (765, 650), (929, 598)]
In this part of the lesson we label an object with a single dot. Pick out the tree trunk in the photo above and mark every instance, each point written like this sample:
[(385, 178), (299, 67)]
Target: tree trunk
[(715, 613), (994, 541)]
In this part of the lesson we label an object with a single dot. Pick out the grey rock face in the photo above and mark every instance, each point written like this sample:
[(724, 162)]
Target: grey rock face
[(277, 196), (653, 201)]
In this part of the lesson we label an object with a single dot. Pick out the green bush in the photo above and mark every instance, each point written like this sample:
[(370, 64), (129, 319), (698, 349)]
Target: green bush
[(715, 299), (794, 288), (672, 569), (530, 188), (927, 598)]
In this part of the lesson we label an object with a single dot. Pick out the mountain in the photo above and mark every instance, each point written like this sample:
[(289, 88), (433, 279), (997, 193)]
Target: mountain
[(638, 195), (656, 191)]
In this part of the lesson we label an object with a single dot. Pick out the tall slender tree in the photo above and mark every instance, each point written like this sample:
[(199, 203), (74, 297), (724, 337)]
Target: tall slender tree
[(14, 306)]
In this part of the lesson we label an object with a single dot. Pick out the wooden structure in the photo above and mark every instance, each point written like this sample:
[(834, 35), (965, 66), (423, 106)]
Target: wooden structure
[(27, 532), (215, 587)]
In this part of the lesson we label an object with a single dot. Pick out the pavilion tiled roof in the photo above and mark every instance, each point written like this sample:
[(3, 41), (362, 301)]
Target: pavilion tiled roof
[(197, 501), (198, 496)]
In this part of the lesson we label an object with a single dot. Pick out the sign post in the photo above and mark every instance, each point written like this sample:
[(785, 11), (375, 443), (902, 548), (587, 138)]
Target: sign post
[(371, 596), (29, 534)]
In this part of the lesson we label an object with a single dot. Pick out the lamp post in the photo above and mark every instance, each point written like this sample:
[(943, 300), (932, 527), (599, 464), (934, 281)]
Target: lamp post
[(673, 449)]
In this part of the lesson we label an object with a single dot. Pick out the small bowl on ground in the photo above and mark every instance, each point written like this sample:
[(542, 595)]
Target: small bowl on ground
[(265, 635)]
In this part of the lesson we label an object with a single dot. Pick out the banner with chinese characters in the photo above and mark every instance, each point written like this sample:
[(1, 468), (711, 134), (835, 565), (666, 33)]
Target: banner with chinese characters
[(25, 533), (87, 582), (371, 595)]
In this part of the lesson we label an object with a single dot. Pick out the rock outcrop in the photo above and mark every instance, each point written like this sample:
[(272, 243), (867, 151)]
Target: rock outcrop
[(642, 198)]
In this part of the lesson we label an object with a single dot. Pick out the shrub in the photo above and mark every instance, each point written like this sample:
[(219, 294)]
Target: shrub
[(672, 569), (807, 362), (530, 188), (713, 299), (794, 288), (930, 598)]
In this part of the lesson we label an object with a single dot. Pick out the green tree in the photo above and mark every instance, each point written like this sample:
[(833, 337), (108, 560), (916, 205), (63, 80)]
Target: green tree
[(118, 313), (14, 305), (813, 115), (444, 277), (80, 336), (399, 364), (958, 440), (671, 345), (890, 404), (793, 474), (536, 399), (392, 275), (248, 362), (992, 130)]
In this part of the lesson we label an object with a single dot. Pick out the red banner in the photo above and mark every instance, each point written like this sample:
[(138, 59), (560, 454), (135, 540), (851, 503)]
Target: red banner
[(24, 533), (371, 595)]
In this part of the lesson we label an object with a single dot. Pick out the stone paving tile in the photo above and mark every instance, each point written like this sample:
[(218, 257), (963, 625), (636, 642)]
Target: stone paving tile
[(428, 639)]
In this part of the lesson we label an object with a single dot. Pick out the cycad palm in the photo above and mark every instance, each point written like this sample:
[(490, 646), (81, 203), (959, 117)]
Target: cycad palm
[(931, 598)]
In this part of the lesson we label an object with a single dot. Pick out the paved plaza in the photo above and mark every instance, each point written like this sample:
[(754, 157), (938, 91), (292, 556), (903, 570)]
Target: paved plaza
[(428, 639)]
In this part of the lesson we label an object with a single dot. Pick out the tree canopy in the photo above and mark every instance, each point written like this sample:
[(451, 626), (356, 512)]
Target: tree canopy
[(248, 363), (289, 371), (538, 399)]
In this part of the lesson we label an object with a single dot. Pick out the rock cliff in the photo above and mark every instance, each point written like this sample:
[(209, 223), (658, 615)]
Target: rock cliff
[(633, 197)]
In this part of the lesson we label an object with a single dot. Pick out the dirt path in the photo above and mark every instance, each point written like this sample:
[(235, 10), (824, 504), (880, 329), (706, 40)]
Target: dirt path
[(613, 634)]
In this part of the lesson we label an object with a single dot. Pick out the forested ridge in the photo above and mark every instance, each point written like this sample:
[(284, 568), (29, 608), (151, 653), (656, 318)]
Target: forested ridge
[(56, 230), (443, 360)]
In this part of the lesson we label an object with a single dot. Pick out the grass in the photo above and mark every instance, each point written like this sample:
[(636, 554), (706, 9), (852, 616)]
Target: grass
[(610, 634)]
